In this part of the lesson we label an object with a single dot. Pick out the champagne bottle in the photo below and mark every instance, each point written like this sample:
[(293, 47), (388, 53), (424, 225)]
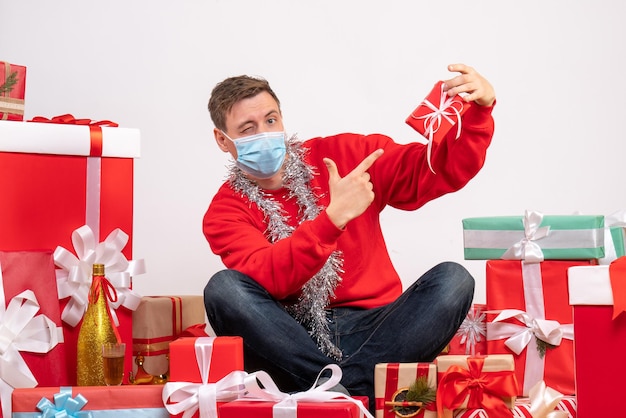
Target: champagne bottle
[(96, 329)]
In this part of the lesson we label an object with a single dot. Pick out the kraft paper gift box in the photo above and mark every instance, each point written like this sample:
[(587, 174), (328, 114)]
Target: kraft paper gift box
[(56, 178), (90, 401), (535, 320), (12, 91), (390, 378), (471, 337), (159, 320), (32, 351), (436, 115), (457, 388), (597, 294), (534, 237)]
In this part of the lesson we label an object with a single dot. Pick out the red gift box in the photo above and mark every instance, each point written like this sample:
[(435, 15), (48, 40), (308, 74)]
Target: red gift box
[(54, 181), (195, 362), (596, 295), (471, 338), (107, 401), (391, 377), (534, 301), (242, 408), (436, 115), (226, 355), (32, 272), (12, 91)]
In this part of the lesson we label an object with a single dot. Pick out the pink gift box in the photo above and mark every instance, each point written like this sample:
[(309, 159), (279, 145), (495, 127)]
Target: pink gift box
[(262, 409)]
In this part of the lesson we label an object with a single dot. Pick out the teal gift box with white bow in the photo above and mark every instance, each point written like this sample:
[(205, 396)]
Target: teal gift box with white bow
[(534, 237)]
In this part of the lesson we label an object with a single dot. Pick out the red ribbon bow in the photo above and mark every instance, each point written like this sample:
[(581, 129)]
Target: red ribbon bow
[(617, 273), (481, 389), (95, 129)]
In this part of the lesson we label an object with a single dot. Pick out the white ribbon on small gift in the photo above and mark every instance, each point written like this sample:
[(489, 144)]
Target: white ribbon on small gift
[(75, 274), (472, 330), (544, 400), (433, 120), (21, 329), (527, 249), (534, 327), (187, 397), (287, 404), (615, 220)]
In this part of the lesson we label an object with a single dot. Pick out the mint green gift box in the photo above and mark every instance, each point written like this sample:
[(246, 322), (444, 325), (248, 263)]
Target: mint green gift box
[(534, 237)]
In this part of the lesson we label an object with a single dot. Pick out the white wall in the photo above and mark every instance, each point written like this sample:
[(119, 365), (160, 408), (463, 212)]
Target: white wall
[(557, 66)]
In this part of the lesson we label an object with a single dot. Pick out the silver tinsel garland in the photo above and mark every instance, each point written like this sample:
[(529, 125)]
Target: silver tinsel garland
[(309, 310)]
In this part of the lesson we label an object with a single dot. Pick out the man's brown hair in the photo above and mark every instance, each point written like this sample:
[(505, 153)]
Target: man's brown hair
[(228, 92)]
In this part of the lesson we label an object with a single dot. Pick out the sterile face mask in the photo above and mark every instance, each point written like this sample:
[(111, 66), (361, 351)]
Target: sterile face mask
[(260, 155)]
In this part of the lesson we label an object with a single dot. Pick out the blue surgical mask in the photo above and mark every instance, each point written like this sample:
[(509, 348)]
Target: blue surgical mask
[(260, 155)]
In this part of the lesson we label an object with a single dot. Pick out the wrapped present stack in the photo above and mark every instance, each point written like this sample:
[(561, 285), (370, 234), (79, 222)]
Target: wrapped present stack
[(528, 312)]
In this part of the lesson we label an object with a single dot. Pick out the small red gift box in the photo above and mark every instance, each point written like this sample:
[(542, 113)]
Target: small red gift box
[(389, 378), (224, 356), (597, 294), (458, 389), (471, 338), (159, 320), (12, 91), (535, 324), (55, 178), (437, 114), (242, 408), (102, 401), (196, 362), (33, 352)]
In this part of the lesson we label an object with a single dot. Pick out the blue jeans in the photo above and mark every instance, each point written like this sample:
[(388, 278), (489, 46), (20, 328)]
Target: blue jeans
[(414, 328)]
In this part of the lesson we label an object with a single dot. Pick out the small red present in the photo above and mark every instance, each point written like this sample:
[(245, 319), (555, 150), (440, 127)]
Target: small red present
[(159, 320), (200, 367), (12, 91), (471, 337), (598, 296), (436, 115), (32, 352), (101, 401), (392, 378), (474, 382), (535, 323)]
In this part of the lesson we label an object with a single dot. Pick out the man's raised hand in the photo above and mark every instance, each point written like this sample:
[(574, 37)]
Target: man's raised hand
[(351, 195)]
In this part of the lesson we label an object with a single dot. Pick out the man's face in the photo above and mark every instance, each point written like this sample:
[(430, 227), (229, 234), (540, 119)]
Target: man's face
[(248, 117)]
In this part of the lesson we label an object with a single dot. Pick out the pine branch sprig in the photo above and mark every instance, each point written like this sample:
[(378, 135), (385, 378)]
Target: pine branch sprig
[(9, 84)]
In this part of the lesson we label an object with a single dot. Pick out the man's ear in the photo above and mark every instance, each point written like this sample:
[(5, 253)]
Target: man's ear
[(221, 139)]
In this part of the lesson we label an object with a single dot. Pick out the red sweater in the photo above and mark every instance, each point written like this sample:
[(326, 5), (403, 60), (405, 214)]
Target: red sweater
[(235, 228)]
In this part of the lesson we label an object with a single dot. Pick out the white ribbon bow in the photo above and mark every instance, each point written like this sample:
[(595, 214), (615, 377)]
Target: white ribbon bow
[(75, 274), (433, 120), (527, 249), (472, 330), (552, 332), (187, 397), (21, 329), (287, 404), (543, 401)]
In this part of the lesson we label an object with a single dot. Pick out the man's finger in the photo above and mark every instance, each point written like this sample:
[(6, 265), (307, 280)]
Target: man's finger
[(333, 174), (367, 162)]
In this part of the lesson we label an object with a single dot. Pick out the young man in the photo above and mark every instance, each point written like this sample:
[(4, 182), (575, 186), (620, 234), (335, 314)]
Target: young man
[(309, 279)]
